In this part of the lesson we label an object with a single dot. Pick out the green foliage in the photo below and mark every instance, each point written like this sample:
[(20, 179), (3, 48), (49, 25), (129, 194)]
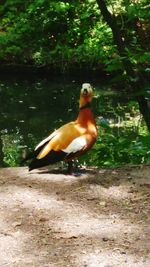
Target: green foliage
[(69, 33), (11, 149), (122, 143), (57, 32)]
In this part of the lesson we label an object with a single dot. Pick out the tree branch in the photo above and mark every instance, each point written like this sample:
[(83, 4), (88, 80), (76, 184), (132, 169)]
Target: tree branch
[(136, 80)]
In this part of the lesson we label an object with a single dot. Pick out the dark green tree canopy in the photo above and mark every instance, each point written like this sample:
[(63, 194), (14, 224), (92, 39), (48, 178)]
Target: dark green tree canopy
[(72, 33)]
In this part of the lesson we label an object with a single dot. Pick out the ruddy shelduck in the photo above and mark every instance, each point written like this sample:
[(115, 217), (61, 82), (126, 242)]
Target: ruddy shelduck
[(71, 140)]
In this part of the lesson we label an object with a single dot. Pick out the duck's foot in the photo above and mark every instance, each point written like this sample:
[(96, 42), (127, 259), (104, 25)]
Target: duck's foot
[(74, 168)]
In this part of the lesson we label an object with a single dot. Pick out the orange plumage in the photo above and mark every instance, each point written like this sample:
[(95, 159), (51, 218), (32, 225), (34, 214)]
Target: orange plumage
[(70, 140)]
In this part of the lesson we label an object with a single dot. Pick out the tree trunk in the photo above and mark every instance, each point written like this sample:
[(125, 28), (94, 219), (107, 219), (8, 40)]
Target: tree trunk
[(144, 107), (136, 81)]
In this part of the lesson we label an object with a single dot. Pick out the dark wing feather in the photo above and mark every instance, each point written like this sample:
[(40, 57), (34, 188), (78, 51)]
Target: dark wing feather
[(51, 158), (33, 154)]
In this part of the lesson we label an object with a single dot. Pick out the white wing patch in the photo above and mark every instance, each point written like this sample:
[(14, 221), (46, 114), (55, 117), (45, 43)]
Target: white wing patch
[(46, 140), (76, 145)]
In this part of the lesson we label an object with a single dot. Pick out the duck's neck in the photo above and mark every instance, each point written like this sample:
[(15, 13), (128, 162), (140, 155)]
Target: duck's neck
[(85, 115), (87, 105)]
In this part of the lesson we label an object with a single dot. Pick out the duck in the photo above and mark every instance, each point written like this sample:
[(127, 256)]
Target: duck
[(70, 140)]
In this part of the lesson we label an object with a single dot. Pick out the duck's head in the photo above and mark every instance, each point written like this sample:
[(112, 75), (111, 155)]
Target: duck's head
[(86, 94)]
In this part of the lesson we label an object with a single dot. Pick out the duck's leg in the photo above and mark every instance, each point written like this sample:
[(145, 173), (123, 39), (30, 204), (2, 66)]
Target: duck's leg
[(73, 168), (70, 167)]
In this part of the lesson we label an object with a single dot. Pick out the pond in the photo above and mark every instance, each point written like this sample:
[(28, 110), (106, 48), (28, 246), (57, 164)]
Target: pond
[(32, 109)]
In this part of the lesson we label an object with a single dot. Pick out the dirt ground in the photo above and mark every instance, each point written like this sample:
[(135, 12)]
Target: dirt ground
[(98, 219)]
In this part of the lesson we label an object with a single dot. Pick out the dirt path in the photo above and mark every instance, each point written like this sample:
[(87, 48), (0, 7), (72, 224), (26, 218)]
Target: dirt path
[(99, 219)]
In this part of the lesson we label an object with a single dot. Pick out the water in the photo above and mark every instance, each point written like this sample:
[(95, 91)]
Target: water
[(31, 110)]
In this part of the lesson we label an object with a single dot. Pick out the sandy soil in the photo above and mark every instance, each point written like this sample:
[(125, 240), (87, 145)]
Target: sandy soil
[(98, 219)]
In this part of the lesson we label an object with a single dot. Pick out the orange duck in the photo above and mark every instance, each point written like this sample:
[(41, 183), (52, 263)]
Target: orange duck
[(69, 141)]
